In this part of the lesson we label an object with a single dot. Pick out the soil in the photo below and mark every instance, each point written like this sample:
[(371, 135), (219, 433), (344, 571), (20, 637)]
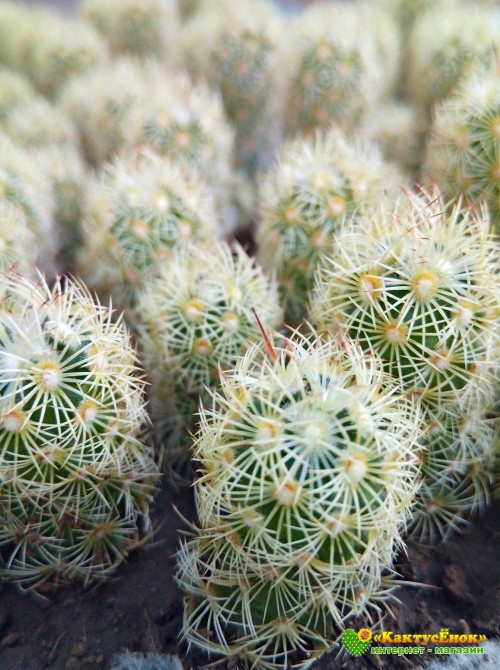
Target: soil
[(141, 608)]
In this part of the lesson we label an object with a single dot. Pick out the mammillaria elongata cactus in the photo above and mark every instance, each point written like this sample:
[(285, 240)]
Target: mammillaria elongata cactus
[(75, 476), (307, 473)]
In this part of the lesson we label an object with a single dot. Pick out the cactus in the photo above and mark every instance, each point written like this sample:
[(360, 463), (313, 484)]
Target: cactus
[(304, 199), (145, 28), (75, 475), (307, 473), (464, 150), (396, 128), (38, 124), (417, 285), (23, 185), (70, 185), (234, 47), (56, 49), (15, 90), (127, 660), (17, 247), (141, 211), (457, 469), (447, 44), (335, 75), (197, 318)]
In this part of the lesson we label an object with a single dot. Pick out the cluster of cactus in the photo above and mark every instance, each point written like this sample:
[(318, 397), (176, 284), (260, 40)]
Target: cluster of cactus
[(47, 48), (463, 153), (198, 316), (307, 472), (417, 285), (234, 46), (75, 476), (304, 199), (334, 73)]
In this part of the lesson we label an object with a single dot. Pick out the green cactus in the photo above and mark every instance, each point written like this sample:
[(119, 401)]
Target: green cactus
[(457, 469), (417, 285), (234, 47), (141, 212), (338, 66), (464, 149), (23, 185), (197, 318), (17, 244), (75, 476), (145, 28), (38, 124), (448, 43), (15, 91), (307, 473), (304, 199)]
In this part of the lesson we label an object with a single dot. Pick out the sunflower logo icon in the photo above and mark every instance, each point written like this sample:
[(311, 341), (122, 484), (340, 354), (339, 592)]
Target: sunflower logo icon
[(365, 635)]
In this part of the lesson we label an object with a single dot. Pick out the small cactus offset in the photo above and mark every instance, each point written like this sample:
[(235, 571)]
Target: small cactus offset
[(75, 476), (448, 43), (145, 28), (141, 212), (198, 316), (464, 149), (305, 197), (234, 46), (15, 91), (307, 475)]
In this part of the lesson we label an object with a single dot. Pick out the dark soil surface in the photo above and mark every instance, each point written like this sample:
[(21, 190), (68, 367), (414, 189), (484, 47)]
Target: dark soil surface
[(141, 608)]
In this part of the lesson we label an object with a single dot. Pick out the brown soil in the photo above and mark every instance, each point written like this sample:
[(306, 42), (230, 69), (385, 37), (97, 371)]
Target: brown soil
[(141, 608)]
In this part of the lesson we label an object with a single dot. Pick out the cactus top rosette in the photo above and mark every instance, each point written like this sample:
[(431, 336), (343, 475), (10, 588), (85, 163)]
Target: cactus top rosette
[(417, 285), (75, 475)]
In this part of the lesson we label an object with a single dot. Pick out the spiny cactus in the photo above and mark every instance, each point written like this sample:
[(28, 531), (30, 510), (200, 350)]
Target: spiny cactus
[(141, 212), (198, 317), (307, 473), (24, 185), (38, 124), (464, 150), (447, 44), (304, 199), (457, 469), (75, 475), (233, 45), (56, 49), (397, 129), (70, 186), (335, 74), (15, 90), (136, 27), (417, 285), (17, 244)]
